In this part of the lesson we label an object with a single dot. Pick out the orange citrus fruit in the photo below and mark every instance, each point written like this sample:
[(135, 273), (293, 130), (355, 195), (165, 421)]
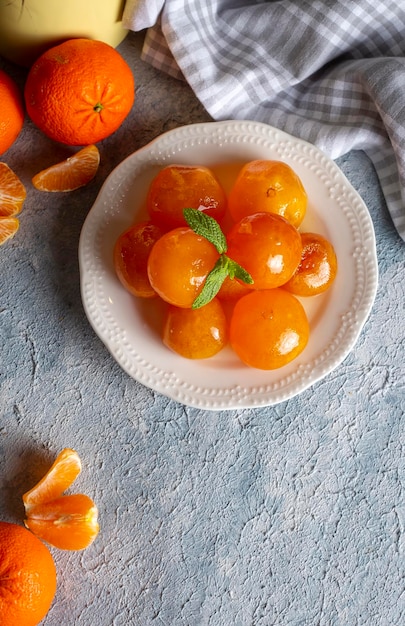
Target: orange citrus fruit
[(70, 174), (178, 187), (268, 186), (317, 269), (11, 111), (178, 265), (268, 328), (8, 228), (130, 257), (79, 92), (68, 522), (27, 577), (267, 246), (196, 333)]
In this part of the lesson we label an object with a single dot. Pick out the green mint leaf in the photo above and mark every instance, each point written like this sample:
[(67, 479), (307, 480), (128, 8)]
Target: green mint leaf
[(212, 283), (237, 271), (207, 227)]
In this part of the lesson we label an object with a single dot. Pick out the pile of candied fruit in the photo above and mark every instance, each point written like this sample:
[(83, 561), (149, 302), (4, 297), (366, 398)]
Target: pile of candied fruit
[(231, 267)]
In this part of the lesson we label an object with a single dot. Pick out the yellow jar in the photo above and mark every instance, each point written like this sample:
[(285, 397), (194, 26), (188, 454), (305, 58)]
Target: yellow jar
[(28, 27)]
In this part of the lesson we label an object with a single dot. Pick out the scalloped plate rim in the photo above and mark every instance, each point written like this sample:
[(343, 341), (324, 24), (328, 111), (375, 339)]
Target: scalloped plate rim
[(96, 280)]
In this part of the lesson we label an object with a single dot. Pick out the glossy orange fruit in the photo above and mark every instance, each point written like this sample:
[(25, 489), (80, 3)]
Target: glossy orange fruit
[(317, 269), (12, 192), (79, 92), (178, 265), (11, 111), (68, 522), (268, 186), (267, 246), (196, 333), (178, 187), (70, 174), (232, 289), (130, 256), (8, 228), (268, 328), (27, 577)]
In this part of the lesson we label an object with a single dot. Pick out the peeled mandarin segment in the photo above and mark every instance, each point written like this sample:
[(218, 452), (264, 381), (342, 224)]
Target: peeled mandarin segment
[(8, 228), (12, 192), (68, 175), (59, 477), (68, 523)]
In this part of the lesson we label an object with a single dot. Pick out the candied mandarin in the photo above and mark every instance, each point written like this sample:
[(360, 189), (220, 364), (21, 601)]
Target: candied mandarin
[(178, 187), (232, 289), (268, 186), (268, 328), (317, 269), (267, 246), (131, 253), (196, 333), (178, 265)]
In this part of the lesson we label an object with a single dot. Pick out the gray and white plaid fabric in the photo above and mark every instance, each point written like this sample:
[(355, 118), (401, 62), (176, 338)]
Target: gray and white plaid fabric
[(331, 72)]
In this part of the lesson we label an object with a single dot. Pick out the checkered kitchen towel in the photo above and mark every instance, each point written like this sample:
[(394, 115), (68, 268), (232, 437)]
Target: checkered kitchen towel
[(331, 72)]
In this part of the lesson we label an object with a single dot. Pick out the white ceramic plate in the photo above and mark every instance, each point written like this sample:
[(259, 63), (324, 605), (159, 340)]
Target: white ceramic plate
[(130, 327)]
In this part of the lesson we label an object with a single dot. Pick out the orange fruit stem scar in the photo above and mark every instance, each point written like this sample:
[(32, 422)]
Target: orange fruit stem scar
[(67, 522)]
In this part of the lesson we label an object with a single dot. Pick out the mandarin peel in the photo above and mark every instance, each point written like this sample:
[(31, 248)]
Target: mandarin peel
[(27, 577)]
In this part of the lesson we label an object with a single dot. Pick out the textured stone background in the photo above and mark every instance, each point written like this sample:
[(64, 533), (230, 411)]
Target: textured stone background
[(292, 515)]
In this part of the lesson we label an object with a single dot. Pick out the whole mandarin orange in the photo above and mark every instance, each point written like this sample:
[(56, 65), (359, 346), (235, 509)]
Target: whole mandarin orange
[(11, 112), (79, 92), (27, 577), (268, 186)]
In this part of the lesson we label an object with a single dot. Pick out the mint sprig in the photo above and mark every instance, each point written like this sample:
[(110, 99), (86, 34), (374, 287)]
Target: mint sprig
[(206, 226)]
